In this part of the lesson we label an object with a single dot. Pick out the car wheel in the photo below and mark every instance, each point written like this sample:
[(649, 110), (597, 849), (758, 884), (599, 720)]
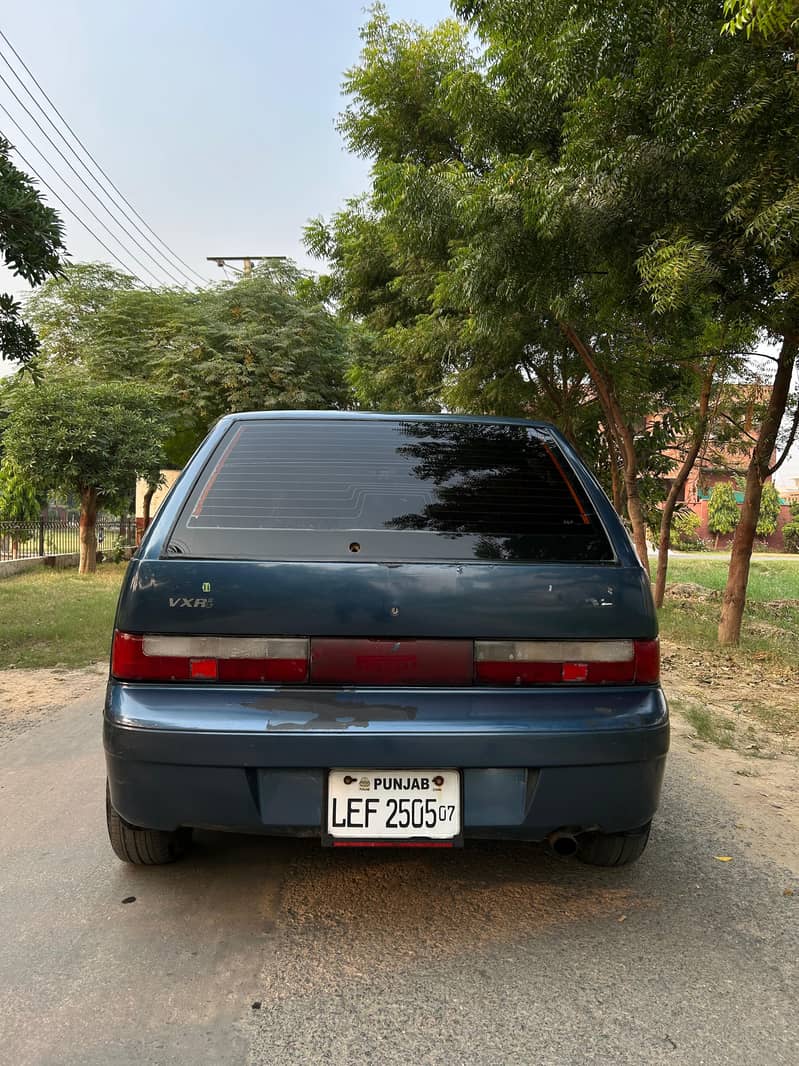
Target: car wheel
[(143, 847), (613, 849)]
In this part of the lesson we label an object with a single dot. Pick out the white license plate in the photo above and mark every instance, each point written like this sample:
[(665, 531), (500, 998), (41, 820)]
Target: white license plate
[(394, 804)]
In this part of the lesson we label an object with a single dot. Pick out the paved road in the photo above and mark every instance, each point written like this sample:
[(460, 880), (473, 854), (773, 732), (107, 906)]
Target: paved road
[(257, 952)]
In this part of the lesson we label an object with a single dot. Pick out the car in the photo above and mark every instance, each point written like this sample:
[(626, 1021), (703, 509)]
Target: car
[(385, 630)]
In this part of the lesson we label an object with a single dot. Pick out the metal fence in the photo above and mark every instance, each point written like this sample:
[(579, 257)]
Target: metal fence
[(55, 536)]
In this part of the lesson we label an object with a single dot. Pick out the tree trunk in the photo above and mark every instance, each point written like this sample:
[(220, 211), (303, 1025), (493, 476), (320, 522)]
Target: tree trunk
[(734, 600), (146, 504), (88, 535), (697, 437), (615, 482), (623, 439), (635, 512)]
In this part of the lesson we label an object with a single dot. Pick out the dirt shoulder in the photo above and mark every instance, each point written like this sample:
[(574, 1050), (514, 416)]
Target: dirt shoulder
[(740, 724), (750, 707), (28, 696), (763, 792)]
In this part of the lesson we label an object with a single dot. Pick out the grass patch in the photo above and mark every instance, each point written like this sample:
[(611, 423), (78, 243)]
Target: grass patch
[(707, 725), (769, 579), (770, 632), (776, 718), (695, 625), (57, 617)]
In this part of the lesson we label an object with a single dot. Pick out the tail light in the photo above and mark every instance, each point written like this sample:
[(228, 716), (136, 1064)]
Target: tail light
[(290, 660), (336, 661), (542, 662), (268, 660)]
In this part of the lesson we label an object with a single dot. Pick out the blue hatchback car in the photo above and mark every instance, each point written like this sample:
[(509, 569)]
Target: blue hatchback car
[(385, 630)]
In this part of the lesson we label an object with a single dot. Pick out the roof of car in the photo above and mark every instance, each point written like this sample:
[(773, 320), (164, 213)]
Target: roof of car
[(384, 417)]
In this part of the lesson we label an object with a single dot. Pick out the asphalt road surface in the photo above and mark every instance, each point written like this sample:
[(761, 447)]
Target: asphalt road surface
[(255, 951)]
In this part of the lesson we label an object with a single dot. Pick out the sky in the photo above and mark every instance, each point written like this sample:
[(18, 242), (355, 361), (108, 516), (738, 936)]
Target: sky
[(215, 120)]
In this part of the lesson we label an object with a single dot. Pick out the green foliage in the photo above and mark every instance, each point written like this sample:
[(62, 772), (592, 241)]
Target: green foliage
[(401, 93), (769, 510), (722, 510), (268, 341), (766, 18), (606, 178), (639, 96), (19, 500), (68, 312), (676, 272), (498, 211), (71, 435), (790, 531), (118, 550), (31, 245), (685, 531)]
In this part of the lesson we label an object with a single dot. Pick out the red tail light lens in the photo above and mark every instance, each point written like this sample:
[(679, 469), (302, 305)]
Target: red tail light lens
[(270, 660), (341, 661), (647, 662), (290, 660), (546, 662), (203, 669)]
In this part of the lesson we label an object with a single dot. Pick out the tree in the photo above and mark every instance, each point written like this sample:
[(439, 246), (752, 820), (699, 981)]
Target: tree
[(769, 510), (93, 439), (31, 243), (266, 341), (685, 530), (723, 513), (660, 140), (479, 255), (790, 531), (68, 314), (20, 504), (19, 501)]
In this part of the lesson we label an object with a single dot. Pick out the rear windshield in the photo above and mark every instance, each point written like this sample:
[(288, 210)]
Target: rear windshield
[(362, 490)]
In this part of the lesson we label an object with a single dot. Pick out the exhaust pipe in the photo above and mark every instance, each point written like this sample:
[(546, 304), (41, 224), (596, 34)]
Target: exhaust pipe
[(563, 843)]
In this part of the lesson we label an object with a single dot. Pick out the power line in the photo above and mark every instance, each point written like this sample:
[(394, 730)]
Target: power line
[(77, 139), (77, 218), (78, 197), (117, 207), (88, 188)]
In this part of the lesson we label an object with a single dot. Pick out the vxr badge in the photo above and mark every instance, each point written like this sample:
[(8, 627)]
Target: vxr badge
[(190, 601)]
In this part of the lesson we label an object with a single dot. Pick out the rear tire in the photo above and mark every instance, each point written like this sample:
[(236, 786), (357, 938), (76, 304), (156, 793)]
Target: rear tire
[(613, 849), (143, 847)]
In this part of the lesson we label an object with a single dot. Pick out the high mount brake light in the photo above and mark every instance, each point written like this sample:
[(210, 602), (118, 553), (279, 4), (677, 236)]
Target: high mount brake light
[(542, 662), (270, 660)]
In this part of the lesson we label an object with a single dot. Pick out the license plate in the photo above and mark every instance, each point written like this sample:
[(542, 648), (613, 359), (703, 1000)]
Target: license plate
[(393, 805)]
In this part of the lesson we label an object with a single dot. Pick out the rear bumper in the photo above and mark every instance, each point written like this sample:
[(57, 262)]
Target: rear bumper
[(256, 759)]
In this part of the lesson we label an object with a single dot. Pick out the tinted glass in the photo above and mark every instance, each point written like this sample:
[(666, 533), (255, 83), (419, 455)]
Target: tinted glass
[(388, 490)]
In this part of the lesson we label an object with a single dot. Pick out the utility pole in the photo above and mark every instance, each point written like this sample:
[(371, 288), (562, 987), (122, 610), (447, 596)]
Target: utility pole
[(246, 261)]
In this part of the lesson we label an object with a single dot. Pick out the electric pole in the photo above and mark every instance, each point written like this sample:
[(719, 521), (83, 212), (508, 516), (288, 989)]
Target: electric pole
[(246, 261)]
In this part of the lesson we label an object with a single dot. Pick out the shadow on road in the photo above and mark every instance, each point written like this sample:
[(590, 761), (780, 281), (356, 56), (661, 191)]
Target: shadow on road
[(384, 900)]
